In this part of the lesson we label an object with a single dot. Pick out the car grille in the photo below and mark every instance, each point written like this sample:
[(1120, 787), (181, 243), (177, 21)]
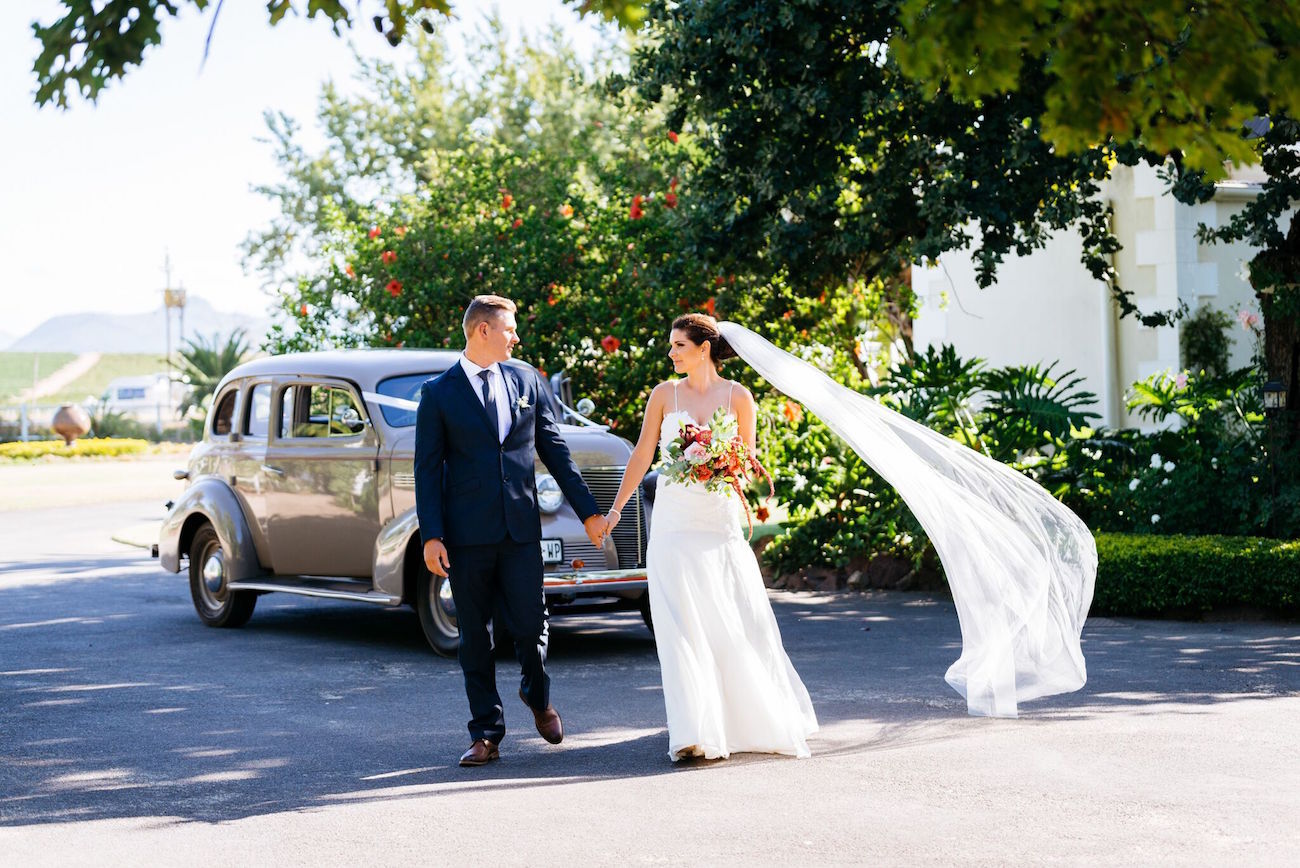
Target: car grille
[(630, 535)]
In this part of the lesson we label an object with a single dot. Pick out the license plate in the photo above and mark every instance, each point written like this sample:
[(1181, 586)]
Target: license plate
[(552, 551)]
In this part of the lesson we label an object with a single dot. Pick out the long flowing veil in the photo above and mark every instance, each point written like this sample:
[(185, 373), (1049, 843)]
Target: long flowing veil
[(1021, 566)]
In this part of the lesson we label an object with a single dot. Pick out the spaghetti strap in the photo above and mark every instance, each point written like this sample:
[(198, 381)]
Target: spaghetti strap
[(729, 394), (676, 406)]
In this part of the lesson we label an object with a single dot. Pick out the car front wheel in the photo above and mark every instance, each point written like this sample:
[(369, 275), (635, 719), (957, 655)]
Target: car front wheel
[(437, 612), (217, 605)]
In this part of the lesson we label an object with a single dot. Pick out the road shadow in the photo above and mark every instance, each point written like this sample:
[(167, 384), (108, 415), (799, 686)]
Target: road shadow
[(115, 702)]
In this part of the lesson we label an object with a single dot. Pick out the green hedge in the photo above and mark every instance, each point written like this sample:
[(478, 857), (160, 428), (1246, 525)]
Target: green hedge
[(1147, 575), (84, 448)]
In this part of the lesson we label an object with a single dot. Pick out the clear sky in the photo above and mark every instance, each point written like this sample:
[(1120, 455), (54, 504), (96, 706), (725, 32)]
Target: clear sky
[(91, 198)]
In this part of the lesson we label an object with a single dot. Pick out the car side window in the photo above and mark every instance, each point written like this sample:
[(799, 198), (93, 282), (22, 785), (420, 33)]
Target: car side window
[(223, 417), (320, 411), (258, 418)]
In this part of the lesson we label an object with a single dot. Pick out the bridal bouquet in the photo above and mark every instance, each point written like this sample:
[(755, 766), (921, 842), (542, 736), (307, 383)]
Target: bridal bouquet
[(716, 457)]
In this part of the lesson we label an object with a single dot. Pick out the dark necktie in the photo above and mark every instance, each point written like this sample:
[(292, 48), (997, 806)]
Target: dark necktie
[(489, 403)]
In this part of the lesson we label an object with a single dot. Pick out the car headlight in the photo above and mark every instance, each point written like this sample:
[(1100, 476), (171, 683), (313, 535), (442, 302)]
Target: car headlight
[(549, 495)]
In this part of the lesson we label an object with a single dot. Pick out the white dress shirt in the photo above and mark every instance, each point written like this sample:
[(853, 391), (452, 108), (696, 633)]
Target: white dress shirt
[(498, 386)]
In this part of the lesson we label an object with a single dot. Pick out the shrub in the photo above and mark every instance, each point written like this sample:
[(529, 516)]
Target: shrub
[(1147, 575), (105, 447)]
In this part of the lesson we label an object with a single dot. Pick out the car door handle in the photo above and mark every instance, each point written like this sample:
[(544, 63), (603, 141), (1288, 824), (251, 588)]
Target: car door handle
[(269, 469)]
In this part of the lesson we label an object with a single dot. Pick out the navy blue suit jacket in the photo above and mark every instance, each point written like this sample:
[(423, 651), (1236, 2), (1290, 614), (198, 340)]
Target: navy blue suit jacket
[(472, 489)]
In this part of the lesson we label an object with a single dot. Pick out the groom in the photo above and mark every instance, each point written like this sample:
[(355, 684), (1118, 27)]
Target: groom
[(478, 428)]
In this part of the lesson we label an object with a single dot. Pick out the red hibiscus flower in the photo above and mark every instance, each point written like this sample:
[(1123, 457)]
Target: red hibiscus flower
[(302, 310), (388, 257), (506, 201), (635, 211), (670, 199), (394, 288), (610, 343), (374, 232), (400, 231), (672, 137), (719, 280), (708, 306), (351, 272), (519, 221)]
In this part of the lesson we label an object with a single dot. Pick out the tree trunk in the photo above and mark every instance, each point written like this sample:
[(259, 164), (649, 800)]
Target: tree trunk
[(1281, 323)]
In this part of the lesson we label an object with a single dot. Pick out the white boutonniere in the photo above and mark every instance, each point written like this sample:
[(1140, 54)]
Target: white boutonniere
[(522, 403)]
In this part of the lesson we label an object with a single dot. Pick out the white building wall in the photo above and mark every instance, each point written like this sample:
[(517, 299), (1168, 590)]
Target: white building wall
[(1045, 307)]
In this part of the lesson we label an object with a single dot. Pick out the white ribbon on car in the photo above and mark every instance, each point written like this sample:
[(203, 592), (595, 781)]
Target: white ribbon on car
[(390, 401), (1020, 564)]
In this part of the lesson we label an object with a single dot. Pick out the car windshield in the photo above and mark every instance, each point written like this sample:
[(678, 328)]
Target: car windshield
[(406, 387)]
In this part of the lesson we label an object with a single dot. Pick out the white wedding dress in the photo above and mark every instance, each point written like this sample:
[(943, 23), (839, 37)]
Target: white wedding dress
[(728, 685)]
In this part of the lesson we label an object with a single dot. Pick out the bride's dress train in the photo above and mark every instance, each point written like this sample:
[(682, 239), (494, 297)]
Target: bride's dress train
[(728, 685)]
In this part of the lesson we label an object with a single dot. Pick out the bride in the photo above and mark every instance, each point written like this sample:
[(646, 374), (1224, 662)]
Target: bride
[(1020, 565), (728, 684)]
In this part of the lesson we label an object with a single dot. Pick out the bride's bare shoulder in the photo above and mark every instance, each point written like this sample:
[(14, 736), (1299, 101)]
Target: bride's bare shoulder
[(661, 392)]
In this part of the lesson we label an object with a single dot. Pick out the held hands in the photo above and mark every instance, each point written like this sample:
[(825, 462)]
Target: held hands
[(435, 557), (612, 519), (597, 527)]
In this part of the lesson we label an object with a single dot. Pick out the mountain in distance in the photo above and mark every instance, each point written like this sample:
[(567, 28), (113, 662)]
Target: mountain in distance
[(135, 333)]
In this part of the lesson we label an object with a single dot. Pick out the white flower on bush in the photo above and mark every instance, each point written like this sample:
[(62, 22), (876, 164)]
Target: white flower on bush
[(1243, 273), (1156, 460), (696, 453), (1214, 462), (800, 482), (1169, 467), (1155, 519), (1133, 484)]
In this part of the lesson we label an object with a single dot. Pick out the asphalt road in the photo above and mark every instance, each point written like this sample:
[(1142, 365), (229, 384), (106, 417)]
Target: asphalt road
[(326, 734)]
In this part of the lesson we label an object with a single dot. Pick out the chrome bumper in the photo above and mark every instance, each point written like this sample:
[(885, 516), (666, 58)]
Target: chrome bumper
[(594, 582)]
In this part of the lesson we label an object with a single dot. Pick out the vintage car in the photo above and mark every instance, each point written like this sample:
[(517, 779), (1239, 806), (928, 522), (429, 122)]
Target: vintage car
[(304, 483)]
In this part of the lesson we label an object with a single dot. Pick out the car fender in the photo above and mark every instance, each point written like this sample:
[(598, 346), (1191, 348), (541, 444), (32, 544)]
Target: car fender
[(390, 552), (212, 499)]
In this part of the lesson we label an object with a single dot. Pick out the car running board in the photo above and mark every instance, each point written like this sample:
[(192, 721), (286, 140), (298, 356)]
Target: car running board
[(307, 586)]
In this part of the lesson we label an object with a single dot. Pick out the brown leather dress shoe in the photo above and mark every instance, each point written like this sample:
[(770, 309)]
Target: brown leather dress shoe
[(480, 753), (549, 725)]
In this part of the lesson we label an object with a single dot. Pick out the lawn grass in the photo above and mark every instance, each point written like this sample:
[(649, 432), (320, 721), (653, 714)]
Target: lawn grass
[(109, 367), (16, 370)]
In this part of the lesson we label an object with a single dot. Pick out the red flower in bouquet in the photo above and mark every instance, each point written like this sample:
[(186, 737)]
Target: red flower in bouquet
[(703, 473)]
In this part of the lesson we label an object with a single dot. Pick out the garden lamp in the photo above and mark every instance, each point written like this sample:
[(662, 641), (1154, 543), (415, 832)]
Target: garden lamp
[(1274, 396)]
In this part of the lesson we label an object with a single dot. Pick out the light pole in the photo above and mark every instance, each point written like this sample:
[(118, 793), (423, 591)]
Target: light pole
[(1274, 404)]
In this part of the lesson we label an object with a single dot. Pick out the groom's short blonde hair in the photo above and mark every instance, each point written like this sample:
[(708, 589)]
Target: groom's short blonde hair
[(484, 308)]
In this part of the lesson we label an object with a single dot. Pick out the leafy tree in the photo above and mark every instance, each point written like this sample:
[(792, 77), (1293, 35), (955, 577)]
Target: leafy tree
[(828, 164), (205, 361), (94, 43), (1181, 78)]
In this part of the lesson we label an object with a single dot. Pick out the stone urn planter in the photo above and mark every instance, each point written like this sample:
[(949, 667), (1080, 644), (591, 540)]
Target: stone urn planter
[(70, 422)]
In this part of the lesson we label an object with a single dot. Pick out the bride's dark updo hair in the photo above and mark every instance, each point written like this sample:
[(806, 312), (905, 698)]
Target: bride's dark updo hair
[(701, 327)]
